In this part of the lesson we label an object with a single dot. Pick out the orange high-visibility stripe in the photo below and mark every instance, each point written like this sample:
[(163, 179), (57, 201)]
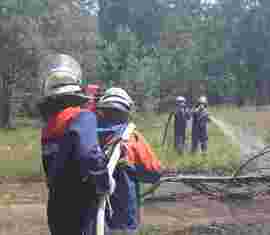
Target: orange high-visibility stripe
[(58, 122), (139, 152)]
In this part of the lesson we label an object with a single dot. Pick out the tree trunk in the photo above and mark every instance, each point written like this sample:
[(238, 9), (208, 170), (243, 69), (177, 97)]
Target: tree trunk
[(6, 115)]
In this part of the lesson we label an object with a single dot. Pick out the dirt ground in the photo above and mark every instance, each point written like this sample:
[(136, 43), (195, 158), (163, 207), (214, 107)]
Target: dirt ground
[(263, 120), (23, 211)]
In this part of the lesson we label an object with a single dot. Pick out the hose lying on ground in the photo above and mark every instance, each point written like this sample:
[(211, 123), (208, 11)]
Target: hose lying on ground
[(204, 184)]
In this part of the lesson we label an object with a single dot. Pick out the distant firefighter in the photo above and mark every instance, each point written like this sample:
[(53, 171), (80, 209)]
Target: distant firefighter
[(182, 115), (200, 119)]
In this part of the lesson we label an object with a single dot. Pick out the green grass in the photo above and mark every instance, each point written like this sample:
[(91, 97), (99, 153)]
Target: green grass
[(20, 148), (150, 230), (20, 152), (222, 155)]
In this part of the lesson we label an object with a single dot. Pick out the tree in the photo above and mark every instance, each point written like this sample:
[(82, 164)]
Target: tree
[(144, 18), (125, 59), (65, 30), (247, 42), (26, 38), (18, 65), (23, 7)]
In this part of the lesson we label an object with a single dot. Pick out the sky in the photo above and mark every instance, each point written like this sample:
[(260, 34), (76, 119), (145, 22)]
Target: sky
[(91, 6)]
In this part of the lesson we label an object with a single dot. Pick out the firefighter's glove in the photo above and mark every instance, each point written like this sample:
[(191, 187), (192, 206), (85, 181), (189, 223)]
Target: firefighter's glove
[(208, 115), (112, 185), (123, 161)]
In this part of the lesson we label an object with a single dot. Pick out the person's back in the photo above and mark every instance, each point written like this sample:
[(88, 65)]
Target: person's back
[(196, 117), (66, 152), (180, 116), (74, 164), (180, 123)]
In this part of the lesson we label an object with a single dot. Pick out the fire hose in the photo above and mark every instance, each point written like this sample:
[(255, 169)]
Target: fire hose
[(167, 127), (201, 182), (100, 226)]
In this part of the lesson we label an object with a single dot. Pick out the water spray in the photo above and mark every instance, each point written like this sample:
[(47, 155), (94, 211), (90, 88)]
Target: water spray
[(207, 185)]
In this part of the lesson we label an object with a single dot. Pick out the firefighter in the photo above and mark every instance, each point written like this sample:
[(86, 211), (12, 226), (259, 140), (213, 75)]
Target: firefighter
[(73, 161), (182, 115), (138, 162), (200, 119)]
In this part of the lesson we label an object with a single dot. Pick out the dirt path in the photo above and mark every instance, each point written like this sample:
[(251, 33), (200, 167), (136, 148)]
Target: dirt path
[(22, 211)]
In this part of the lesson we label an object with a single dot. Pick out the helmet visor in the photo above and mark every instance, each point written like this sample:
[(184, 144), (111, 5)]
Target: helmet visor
[(114, 106)]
